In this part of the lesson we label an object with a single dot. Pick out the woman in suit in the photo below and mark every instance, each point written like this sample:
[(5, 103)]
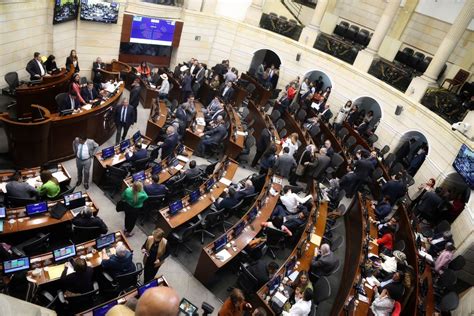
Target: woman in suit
[(72, 60), (155, 250), (50, 64)]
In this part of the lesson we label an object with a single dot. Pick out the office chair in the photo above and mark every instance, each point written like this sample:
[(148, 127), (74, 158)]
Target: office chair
[(151, 206), (457, 264), (314, 131), (455, 83), (423, 65), (244, 154), (182, 235), (60, 98), (415, 59), (283, 133), (301, 115), (362, 37), (399, 245), (280, 124), (207, 309), (336, 162), (218, 148), (11, 78), (336, 242), (68, 190), (372, 139), (341, 28), (396, 169), (350, 141), (18, 202), (82, 234), (216, 218), (385, 149), (293, 108), (314, 278), (267, 107), (388, 161), (193, 183), (351, 33), (275, 239), (113, 176), (246, 281), (275, 115), (357, 148), (78, 303), (343, 132), (139, 165), (442, 227), (322, 291), (34, 246), (449, 302), (176, 188), (124, 282)]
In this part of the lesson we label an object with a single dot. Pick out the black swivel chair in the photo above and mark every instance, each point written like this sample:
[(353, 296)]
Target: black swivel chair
[(139, 165), (388, 161), (399, 245), (60, 98), (82, 234), (442, 227), (246, 281), (11, 78), (182, 235), (362, 37), (34, 246), (314, 131), (350, 141), (341, 28), (124, 282), (301, 115), (275, 115), (177, 188), (351, 33), (113, 176), (75, 304), (275, 240), (415, 59), (449, 302), (283, 133), (280, 124), (18, 202), (336, 162), (151, 206), (207, 309), (249, 143), (67, 191), (458, 263), (423, 65), (322, 291), (343, 132)]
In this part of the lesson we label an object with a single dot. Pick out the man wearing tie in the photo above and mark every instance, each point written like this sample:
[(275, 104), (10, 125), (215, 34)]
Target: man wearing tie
[(89, 93), (35, 67), (227, 91), (84, 150), (96, 66), (70, 102), (124, 117)]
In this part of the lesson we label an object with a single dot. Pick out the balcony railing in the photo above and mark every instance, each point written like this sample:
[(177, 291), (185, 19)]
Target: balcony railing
[(281, 25)]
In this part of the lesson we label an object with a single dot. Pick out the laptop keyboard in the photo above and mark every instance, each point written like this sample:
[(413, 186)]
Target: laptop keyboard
[(77, 210)]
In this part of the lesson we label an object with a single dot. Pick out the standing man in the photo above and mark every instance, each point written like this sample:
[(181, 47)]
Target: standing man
[(124, 117), (135, 97), (35, 67), (169, 143), (264, 141), (96, 67), (84, 150)]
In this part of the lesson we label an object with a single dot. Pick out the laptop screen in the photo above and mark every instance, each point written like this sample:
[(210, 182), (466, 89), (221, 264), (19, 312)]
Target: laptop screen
[(219, 244), (15, 265), (156, 169), (175, 207), (146, 286), (124, 145), (194, 196), (238, 229), (252, 214), (102, 310), (3, 213), (37, 208), (209, 184), (139, 176), (108, 152), (105, 241), (136, 137), (64, 253), (70, 197)]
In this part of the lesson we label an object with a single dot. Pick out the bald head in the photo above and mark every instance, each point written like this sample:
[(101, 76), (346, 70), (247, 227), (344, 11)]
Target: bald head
[(158, 301)]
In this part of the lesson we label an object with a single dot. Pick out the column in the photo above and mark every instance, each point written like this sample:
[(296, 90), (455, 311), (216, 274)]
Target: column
[(418, 85), (311, 31), (194, 5), (209, 6), (254, 12), (365, 57)]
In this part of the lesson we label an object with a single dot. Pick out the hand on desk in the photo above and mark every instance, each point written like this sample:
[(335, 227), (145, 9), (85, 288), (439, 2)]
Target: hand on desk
[(104, 255)]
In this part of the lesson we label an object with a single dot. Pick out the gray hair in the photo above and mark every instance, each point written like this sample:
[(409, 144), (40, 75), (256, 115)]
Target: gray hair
[(325, 249), (121, 250)]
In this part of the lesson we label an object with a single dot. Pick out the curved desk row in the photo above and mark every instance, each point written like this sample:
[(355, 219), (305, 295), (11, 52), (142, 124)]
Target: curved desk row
[(49, 137), (156, 120), (261, 94), (302, 255)]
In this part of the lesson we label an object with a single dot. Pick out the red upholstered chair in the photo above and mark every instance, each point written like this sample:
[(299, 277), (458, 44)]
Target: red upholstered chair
[(397, 308)]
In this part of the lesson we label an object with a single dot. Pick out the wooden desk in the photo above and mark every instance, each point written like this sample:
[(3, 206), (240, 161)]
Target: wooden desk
[(235, 145), (165, 174), (262, 121), (191, 137), (43, 94), (316, 225), (156, 120), (100, 165), (45, 262), (239, 95), (208, 264), (262, 94), (114, 70), (17, 221), (31, 176), (168, 223), (429, 300), (50, 138), (147, 94), (122, 299)]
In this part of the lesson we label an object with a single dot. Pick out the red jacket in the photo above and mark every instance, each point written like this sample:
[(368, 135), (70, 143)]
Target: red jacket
[(386, 241)]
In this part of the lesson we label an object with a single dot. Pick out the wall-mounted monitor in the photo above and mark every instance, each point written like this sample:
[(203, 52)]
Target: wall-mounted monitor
[(100, 11), (147, 30), (464, 165), (65, 10)]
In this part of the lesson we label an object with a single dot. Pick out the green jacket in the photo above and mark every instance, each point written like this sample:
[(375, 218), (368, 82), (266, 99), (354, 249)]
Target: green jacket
[(50, 189), (127, 196)]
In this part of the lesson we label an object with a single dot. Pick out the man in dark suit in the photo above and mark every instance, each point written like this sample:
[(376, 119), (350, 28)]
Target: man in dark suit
[(20, 189), (211, 116), (135, 96), (228, 200), (124, 118), (137, 154), (70, 102), (96, 66), (213, 136), (193, 171), (429, 206), (85, 219), (226, 91), (246, 190), (402, 153), (89, 93), (155, 188), (323, 264), (119, 263), (394, 189), (263, 142), (319, 165), (35, 67), (169, 143), (326, 114), (394, 285), (262, 272)]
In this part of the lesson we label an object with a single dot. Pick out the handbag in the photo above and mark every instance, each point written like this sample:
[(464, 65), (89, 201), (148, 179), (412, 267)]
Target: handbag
[(121, 206)]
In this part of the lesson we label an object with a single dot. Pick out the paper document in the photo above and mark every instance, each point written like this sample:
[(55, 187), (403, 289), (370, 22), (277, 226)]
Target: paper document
[(178, 167), (55, 272), (370, 255), (372, 281), (60, 176), (225, 181), (425, 255), (200, 121), (182, 158), (223, 255), (277, 180), (3, 187), (282, 298), (363, 298), (34, 182), (242, 133), (87, 107), (293, 275), (315, 239)]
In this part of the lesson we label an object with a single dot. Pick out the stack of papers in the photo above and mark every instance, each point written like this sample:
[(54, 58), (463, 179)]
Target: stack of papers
[(182, 158), (60, 176), (87, 107), (3, 187), (225, 181), (315, 239), (34, 182), (223, 255), (178, 167)]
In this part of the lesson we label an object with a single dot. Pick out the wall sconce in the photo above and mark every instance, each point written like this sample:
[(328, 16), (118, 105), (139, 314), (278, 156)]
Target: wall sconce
[(298, 56)]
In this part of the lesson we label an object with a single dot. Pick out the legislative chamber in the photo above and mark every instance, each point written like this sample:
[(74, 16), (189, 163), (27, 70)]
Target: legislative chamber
[(220, 157)]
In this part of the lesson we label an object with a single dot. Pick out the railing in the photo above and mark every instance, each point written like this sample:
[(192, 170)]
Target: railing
[(281, 26), (336, 47), (306, 3)]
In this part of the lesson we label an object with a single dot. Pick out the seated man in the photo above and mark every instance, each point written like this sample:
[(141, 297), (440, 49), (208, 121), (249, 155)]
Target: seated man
[(226, 92), (79, 282), (382, 209), (169, 143), (394, 189), (329, 149), (394, 284), (70, 102), (155, 188), (85, 219), (228, 201), (137, 154), (245, 191), (212, 115), (19, 189), (193, 171), (89, 93), (212, 137), (324, 263), (120, 263), (262, 272), (293, 221), (212, 107), (291, 203)]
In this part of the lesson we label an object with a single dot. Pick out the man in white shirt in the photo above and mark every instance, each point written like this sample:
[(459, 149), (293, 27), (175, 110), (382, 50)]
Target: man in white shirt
[(290, 202), (35, 67), (164, 89), (84, 150), (302, 307)]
